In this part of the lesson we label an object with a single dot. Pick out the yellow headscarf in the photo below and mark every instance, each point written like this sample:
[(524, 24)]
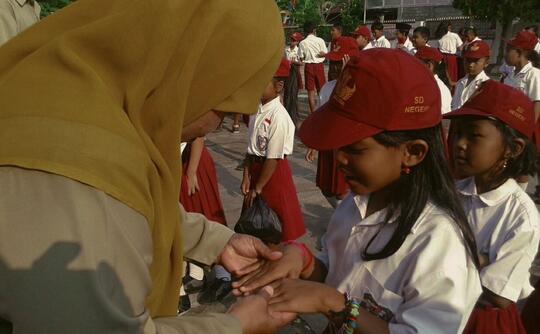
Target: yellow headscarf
[(99, 93)]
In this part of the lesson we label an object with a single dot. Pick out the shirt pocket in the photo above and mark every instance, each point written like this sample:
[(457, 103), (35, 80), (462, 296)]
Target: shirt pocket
[(378, 299)]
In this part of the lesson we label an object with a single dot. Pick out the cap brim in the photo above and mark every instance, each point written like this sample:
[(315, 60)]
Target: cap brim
[(465, 112), (326, 129)]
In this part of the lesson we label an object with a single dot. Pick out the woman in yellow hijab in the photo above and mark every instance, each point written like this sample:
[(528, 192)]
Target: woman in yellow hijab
[(93, 103)]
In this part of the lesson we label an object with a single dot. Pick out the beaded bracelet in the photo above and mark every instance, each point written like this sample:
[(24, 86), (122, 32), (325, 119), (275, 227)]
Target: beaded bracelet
[(350, 324)]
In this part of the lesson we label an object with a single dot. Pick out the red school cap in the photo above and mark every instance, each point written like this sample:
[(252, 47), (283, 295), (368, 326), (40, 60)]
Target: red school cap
[(505, 103), (297, 36), (345, 46), (283, 69), (362, 31), (429, 53), (524, 40), (477, 50), (380, 90)]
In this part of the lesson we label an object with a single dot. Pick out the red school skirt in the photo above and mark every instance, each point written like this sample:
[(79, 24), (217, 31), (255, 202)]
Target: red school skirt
[(491, 320), (330, 178), (280, 195), (207, 200)]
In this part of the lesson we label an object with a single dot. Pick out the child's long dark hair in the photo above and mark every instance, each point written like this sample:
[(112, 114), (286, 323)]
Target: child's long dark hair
[(429, 181)]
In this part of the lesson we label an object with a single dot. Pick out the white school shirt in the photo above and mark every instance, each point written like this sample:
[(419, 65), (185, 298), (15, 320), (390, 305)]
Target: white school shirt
[(446, 96), (429, 285), (506, 225), (408, 46), (271, 131), (292, 55), (309, 49), (527, 80), (382, 42), (464, 91), (450, 43), (537, 46)]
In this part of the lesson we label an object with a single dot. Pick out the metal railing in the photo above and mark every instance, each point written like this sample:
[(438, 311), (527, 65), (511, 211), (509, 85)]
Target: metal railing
[(374, 4)]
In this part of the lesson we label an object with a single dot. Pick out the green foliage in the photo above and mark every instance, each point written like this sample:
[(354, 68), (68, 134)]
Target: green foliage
[(50, 6)]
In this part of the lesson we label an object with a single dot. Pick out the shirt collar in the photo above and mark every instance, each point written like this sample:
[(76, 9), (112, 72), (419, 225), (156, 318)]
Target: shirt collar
[(467, 187), (482, 76), (264, 108), (525, 68), (381, 38), (22, 2)]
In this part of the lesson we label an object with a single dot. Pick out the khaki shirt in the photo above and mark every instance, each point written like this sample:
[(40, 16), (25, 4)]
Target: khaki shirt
[(75, 260), (16, 16)]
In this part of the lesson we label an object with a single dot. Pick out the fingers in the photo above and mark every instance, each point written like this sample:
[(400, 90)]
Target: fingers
[(267, 292), (249, 269), (265, 252)]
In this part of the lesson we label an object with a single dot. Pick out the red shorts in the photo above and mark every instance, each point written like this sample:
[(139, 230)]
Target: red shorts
[(451, 66), (314, 74)]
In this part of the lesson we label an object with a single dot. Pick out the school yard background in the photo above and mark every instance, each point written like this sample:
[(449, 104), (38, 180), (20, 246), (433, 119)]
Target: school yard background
[(228, 151)]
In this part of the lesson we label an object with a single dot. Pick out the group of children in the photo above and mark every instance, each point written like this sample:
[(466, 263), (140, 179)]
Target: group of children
[(434, 232)]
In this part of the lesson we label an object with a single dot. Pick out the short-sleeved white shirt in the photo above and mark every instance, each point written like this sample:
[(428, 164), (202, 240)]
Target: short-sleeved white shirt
[(506, 225), (292, 54), (450, 43), (537, 46), (527, 80), (430, 285), (407, 46), (464, 89), (446, 96), (271, 131), (310, 48), (381, 42)]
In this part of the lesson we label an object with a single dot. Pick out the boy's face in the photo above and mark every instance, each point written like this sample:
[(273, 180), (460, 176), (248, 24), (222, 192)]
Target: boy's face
[(377, 33), (512, 56), (361, 163), (335, 33), (477, 146), (475, 66), (273, 89), (418, 40), (361, 41), (470, 36), (399, 34), (293, 43)]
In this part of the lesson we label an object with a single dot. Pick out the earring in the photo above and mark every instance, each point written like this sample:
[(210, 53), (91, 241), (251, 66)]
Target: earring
[(505, 164), (406, 170)]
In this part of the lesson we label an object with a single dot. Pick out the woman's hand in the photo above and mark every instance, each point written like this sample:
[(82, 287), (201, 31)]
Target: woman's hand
[(289, 266), (192, 183), (255, 316), (299, 296), (310, 155)]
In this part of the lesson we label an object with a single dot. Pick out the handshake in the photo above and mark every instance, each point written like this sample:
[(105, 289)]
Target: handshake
[(272, 286)]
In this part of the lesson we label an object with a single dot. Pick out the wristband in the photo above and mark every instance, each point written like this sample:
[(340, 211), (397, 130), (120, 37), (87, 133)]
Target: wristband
[(305, 253)]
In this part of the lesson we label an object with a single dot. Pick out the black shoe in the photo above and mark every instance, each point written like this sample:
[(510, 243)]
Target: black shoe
[(217, 291), (192, 285), (184, 304)]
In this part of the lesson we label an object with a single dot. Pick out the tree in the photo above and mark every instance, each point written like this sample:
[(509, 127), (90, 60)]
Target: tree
[(504, 12), (50, 6)]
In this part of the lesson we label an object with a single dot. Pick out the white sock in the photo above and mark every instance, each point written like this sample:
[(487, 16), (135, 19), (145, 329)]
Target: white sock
[(182, 291), (222, 274)]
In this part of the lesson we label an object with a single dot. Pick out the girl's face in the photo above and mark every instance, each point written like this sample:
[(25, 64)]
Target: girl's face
[(477, 146), (418, 40), (369, 166), (475, 66), (512, 56)]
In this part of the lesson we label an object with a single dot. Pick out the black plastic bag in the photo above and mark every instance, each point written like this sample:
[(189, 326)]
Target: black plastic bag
[(260, 221)]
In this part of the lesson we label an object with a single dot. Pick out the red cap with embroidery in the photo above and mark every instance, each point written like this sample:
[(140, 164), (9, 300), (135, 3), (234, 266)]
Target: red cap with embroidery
[(297, 37), (283, 69), (507, 104), (524, 40), (362, 31), (429, 53), (380, 90), (477, 50)]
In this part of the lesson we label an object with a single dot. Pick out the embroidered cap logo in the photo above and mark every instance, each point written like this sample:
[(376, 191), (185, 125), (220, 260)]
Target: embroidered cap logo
[(343, 91)]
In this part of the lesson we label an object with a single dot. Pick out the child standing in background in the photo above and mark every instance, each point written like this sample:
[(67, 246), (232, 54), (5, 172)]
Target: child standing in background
[(491, 145)]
